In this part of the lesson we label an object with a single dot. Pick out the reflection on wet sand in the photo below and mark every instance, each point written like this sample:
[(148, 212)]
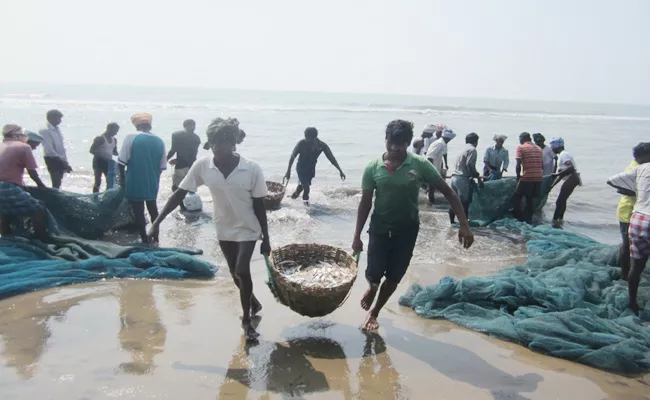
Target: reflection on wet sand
[(141, 332), (377, 376)]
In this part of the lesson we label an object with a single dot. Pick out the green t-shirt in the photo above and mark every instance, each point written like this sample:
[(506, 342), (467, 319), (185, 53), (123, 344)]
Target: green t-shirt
[(396, 193)]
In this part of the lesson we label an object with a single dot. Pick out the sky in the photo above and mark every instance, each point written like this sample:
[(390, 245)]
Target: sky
[(569, 50)]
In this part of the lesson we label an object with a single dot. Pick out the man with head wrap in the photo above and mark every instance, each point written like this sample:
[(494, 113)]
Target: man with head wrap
[(143, 157), (436, 155), (529, 177), (567, 171), (15, 201), (496, 159), (465, 172), (550, 158), (238, 188)]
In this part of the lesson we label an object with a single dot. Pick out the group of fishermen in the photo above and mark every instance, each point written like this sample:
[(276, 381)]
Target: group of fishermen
[(238, 188), (535, 160)]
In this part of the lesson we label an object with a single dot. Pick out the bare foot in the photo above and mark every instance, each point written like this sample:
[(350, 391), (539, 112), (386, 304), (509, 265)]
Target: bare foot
[(371, 323), (250, 332), (256, 307), (369, 297)]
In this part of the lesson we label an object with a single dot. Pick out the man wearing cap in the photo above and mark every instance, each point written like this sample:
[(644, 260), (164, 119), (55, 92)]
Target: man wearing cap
[(427, 136), (15, 201), (436, 155), (465, 172), (567, 171), (529, 177), (496, 159), (141, 160), (54, 153), (33, 139), (550, 159)]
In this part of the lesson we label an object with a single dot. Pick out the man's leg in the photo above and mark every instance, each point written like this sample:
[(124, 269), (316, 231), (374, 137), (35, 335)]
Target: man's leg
[(152, 208), (638, 265), (5, 225), (624, 251), (305, 193), (230, 251), (297, 192), (567, 189), (98, 180), (243, 274), (378, 250), (516, 205), (530, 208), (56, 175), (140, 221)]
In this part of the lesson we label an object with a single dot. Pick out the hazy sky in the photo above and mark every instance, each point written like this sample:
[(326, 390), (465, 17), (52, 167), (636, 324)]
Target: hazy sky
[(584, 50)]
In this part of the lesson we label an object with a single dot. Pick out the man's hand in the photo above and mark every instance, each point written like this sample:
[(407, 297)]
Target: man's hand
[(504, 170), (357, 245), (265, 248), (481, 185), (153, 233), (465, 236), (286, 178), (172, 162), (342, 175)]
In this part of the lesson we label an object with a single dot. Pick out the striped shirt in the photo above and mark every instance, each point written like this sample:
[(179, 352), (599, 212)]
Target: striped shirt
[(531, 157)]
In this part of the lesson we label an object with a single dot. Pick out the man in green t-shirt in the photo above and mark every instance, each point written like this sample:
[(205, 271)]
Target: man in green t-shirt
[(395, 178)]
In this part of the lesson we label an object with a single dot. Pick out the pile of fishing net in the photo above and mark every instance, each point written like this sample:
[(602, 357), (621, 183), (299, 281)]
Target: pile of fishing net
[(32, 265), (87, 216), (495, 201), (566, 301)]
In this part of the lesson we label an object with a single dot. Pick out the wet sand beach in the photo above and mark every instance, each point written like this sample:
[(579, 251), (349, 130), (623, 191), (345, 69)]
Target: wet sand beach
[(135, 339)]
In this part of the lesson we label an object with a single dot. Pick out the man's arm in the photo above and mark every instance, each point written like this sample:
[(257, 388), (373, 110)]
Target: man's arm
[(465, 235), (175, 200), (565, 172), (122, 178), (365, 205), (96, 143), (294, 154), (115, 153), (444, 157), (172, 151), (506, 160), (330, 156), (34, 175), (260, 213), (518, 168), (486, 158)]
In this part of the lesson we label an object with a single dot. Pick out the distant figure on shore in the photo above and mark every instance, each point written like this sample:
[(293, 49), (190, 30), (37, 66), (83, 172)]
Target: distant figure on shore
[(550, 159), (143, 157), (185, 145), (394, 179), (496, 159), (239, 212), (16, 157), (637, 180), (33, 139), (436, 155), (465, 172), (54, 153), (103, 149), (308, 150), (567, 171), (529, 177)]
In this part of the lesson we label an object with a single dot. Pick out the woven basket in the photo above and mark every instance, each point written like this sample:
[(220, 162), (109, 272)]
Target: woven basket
[(309, 301), (276, 194)]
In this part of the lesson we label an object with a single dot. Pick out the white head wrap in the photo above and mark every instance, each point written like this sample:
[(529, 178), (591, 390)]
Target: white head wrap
[(499, 137), (449, 134), (429, 129)]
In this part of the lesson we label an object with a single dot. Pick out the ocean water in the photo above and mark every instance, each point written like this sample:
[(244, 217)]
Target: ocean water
[(599, 136)]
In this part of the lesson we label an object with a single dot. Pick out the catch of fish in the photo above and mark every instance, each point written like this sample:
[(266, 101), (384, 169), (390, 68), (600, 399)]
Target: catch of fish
[(321, 274)]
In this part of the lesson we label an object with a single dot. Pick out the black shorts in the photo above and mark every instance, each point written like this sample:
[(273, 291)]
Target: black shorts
[(389, 254), (528, 189), (100, 164), (54, 164)]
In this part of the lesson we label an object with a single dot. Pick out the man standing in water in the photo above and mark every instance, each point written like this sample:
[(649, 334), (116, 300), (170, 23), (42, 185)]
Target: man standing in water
[(238, 188), (465, 172), (496, 159), (54, 149), (308, 150), (529, 177), (437, 154), (567, 171), (395, 179), (185, 144), (103, 149), (143, 157), (637, 180), (549, 157)]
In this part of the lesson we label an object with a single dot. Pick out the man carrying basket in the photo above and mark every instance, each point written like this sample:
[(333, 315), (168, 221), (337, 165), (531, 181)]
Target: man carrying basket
[(238, 189), (395, 178)]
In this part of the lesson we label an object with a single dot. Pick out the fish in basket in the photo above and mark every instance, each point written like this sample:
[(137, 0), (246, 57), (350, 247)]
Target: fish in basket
[(311, 279), (276, 194)]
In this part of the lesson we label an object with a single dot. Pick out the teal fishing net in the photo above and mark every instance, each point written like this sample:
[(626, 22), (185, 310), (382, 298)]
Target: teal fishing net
[(32, 265), (495, 201), (87, 216), (566, 301)]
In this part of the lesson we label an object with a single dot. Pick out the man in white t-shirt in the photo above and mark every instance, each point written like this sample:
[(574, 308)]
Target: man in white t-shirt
[(567, 171), (436, 154), (238, 189), (637, 181)]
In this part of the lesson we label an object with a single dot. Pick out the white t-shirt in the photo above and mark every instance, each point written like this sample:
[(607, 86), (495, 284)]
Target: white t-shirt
[(564, 160), (436, 151), (638, 180), (427, 143), (232, 196), (548, 164)]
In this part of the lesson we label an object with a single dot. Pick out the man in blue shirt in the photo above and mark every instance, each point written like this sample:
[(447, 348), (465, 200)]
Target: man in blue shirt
[(142, 159)]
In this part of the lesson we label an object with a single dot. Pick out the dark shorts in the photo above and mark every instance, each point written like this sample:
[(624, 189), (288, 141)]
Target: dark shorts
[(529, 189), (101, 165), (306, 174), (54, 164), (389, 255)]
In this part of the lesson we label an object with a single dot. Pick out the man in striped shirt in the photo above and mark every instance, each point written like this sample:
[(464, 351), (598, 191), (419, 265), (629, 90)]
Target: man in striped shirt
[(529, 176)]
